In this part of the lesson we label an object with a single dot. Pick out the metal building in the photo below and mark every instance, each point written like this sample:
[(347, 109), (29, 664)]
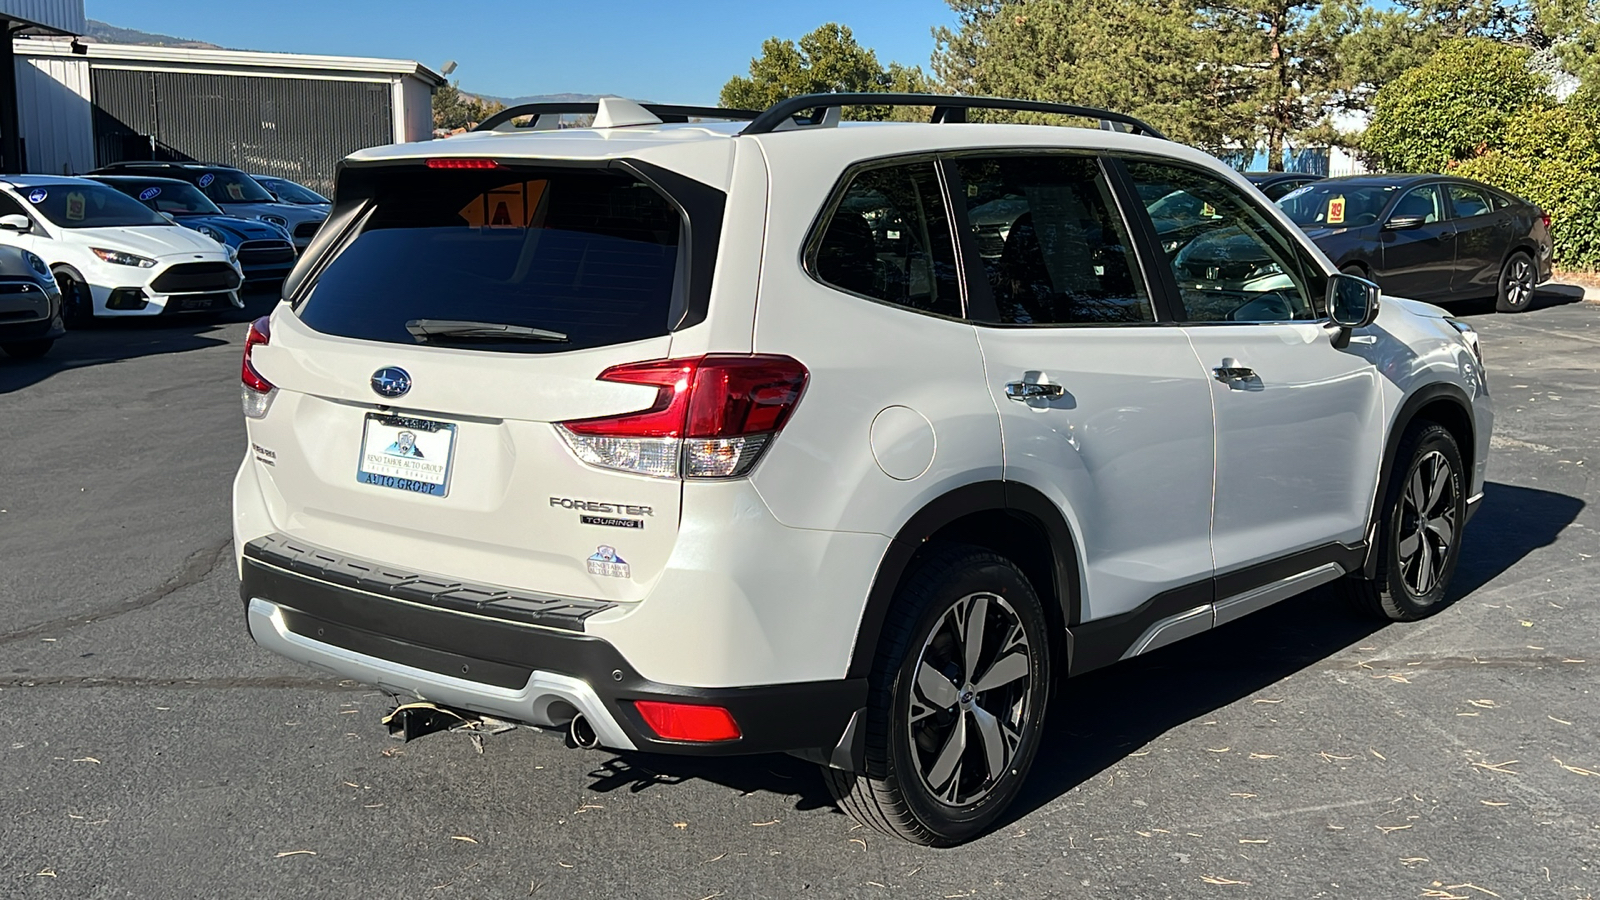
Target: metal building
[(294, 116), (26, 17)]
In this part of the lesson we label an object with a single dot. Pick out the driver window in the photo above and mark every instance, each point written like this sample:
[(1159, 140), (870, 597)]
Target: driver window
[(1423, 202), (1231, 262)]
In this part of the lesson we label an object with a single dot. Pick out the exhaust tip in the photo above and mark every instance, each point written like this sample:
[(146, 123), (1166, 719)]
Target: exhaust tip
[(582, 733)]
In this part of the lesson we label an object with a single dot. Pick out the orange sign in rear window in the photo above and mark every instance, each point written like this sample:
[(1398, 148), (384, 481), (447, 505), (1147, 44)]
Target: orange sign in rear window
[(511, 206)]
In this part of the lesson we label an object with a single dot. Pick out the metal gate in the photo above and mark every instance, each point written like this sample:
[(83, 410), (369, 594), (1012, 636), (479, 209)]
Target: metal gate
[(295, 128)]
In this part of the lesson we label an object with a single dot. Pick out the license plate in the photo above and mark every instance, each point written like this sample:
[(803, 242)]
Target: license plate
[(407, 454)]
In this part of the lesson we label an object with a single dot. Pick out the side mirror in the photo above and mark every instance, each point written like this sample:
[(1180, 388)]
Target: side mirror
[(1352, 301), (16, 222), (1405, 223)]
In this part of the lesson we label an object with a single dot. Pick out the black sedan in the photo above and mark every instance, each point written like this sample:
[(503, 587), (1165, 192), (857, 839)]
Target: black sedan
[(1429, 237), (1276, 184)]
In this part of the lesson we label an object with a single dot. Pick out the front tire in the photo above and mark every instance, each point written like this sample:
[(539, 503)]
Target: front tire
[(1420, 534), (77, 305), (956, 705), (1518, 279)]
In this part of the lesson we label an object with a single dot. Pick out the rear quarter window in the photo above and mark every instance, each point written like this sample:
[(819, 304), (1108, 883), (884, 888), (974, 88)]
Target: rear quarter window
[(594, 255)]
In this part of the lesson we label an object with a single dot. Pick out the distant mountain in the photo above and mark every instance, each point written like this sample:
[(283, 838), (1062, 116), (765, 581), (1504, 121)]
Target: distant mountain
[(112, 34)]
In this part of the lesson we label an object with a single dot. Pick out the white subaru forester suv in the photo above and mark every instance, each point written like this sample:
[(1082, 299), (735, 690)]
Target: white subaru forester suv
[(842, 440)]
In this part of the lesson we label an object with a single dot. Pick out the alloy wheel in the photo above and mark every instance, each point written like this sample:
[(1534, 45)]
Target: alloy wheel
[(971, 699), (1427, 523), (1519, 282)]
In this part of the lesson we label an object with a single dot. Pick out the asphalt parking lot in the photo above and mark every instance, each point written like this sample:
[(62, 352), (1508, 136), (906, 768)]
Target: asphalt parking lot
[(149, 750)]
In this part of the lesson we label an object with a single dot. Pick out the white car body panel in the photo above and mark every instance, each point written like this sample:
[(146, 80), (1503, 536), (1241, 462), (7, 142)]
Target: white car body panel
[(1298, 447), (1126, 451)]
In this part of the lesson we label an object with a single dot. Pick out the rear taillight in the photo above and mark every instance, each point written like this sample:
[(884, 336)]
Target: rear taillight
[(688, 721), (1545, 218), (255, 391), (712, 417)]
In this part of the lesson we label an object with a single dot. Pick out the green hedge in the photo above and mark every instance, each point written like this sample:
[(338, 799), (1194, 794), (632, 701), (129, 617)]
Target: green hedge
[(1552, 157)]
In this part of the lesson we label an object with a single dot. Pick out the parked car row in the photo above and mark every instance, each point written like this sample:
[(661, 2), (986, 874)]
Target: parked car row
[(141, 239), (1424, 237)]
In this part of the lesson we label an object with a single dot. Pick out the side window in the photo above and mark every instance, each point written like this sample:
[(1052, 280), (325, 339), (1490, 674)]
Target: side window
[(1054, 248), (1424, 202), (10, 207), (1231, 262), (889, 239), (1468, 201)]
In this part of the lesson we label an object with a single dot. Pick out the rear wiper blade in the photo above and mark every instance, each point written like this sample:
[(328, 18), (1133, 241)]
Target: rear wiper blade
[(430, 329)]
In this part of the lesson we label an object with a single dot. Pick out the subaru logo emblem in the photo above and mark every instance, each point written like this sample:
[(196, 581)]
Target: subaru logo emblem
[(391, 381)]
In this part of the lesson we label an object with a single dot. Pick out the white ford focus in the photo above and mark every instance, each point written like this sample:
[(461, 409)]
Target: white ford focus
[(110, 254), (843, 440)]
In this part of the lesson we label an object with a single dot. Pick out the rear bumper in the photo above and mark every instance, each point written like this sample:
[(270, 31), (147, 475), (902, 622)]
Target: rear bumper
[(539, 674), (38, 329)]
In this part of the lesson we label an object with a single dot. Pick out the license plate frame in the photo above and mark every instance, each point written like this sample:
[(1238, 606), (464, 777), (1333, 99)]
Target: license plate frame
[(386, 457)]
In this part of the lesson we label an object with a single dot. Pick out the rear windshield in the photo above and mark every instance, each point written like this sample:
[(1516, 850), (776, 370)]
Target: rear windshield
[(89, 205), (591, 255)]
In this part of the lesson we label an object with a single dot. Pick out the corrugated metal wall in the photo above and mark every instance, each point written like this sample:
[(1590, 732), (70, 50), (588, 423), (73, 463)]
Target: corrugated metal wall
[(62, 15), (295, 128), (54, 111)]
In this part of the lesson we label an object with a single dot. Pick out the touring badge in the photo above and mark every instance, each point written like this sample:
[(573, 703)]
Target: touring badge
[(605, 561)]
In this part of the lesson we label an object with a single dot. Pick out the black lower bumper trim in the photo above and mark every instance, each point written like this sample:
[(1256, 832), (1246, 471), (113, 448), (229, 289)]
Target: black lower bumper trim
[(771, 718)]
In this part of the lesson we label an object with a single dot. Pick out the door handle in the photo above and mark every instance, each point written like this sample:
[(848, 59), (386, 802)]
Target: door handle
[(1023, 391), (1228, 374), (1447, 235)]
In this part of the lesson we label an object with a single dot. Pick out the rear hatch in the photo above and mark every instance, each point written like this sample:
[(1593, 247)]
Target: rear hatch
[(421, 374)]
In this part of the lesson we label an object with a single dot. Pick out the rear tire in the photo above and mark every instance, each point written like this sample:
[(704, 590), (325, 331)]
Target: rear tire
[(1518, 280), (28, 349), (1356, 270), (956, 704), (1419, 537)]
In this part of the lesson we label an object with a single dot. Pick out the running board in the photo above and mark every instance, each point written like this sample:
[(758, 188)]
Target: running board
[(1194, 621)]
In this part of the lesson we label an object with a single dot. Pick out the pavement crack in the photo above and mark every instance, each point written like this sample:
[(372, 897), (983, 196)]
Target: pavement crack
[(200, 563), (136, 681)]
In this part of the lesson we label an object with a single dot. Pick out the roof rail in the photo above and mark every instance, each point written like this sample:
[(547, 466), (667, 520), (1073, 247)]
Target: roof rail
[(948, 108), (501, 121)]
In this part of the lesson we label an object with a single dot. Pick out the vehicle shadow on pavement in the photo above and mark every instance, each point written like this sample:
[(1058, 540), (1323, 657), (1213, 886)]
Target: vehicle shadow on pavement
[(1097, 720), (1549, 294), (116, 341)]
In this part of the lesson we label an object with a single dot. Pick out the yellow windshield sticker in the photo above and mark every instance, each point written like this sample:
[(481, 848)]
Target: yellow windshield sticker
[(511, 206), (1208, 211), (235, 190), (77, 207), (1336, 210)]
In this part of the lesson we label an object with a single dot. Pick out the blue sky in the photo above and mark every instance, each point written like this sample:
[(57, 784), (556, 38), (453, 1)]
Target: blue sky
[(664, 50)]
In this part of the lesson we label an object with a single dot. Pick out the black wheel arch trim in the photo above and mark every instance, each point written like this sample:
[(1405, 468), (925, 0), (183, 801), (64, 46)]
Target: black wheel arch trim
[(1424, 396), (1027, 503)]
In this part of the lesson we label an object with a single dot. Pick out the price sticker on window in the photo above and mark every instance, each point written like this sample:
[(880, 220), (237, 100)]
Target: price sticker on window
[(77, 207), (1336, 210), (1208, 211)]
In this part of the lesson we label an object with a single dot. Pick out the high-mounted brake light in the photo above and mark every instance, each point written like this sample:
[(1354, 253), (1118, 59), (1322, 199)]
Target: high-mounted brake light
[(688, 721), (458, 162), (255, 391), (712, 416)]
